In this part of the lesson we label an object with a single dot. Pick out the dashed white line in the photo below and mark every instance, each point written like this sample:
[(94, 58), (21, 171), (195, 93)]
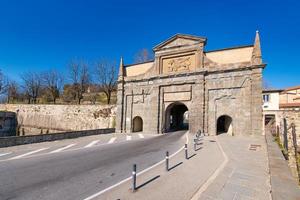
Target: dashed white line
[(141, 135), (29, 153), (63, 148), (112, 140), (4, 154), (91, 144), (128, 137)]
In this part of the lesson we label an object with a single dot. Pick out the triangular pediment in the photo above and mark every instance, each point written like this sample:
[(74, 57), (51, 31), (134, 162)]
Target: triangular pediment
[(179, 40)]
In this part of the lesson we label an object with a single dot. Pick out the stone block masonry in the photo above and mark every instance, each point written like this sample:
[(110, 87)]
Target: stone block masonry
[(186, 87), (20, 140), (61, 118)]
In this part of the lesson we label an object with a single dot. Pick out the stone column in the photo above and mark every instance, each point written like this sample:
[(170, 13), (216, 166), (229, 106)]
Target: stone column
[(120, 108), (256, 102)]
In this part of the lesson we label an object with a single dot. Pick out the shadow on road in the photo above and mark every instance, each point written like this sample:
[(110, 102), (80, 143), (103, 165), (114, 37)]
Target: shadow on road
[(191, 156), (199, 148), (175, 166), (147, 182)]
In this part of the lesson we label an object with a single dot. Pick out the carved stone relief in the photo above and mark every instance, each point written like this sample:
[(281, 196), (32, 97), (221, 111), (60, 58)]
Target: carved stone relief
[(178, 64)]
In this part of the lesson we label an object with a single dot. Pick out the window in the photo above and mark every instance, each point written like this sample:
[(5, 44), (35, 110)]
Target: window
[(266, 98)]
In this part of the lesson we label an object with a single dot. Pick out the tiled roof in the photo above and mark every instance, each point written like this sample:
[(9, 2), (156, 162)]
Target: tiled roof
[(289, 105)]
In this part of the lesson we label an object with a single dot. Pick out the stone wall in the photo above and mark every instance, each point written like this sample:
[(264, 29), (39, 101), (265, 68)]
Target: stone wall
[(37, 119), (8, 123), (292, 118), (207, 97), (20, 140)]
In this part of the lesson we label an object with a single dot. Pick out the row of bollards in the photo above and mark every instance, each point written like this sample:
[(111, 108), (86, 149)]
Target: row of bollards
[(134, 187)]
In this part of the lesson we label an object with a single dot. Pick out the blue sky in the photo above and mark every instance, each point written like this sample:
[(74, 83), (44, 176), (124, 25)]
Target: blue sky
[(40, 35)]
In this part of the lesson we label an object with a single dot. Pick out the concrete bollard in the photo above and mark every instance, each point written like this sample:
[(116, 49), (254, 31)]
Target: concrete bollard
[(195, 145), (134, 178), (186, 151), (167, 161)]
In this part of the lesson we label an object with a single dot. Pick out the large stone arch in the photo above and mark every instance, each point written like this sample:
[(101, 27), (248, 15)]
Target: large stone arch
[(137, 124), (176, 117), (224, 125)]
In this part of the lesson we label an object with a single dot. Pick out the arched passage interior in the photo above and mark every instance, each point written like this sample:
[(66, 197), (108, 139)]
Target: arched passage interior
[(137, 124), (177, 117), (224, 124)]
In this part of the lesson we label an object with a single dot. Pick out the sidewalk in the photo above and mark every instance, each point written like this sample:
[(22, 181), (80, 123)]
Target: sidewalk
[(207, 175), (179, 183), (284, 185), (246, 176)]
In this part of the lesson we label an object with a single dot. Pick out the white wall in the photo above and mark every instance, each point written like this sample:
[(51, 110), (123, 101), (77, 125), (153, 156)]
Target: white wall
[(273, 103)]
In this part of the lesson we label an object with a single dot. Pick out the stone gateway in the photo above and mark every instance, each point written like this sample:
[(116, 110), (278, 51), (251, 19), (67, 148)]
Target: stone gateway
[(186, 87)]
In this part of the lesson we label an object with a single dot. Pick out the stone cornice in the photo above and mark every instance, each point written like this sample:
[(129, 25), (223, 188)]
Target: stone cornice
[(203, 71)]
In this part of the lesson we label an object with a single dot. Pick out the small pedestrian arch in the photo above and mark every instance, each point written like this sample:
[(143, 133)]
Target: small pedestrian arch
[(137, 124), (224, 125)]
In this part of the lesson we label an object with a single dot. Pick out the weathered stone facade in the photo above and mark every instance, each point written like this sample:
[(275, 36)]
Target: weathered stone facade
[(182, 77), (41, 119)]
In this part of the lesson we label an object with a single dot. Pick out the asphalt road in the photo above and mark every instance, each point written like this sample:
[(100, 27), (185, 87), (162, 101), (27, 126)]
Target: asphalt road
[(80, 173)]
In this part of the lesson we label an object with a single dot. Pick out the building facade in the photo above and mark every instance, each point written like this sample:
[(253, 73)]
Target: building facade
[(271, 102), (186, 87)]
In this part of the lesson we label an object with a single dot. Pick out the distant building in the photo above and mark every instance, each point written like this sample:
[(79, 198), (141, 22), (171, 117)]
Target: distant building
[(277, 103), (290, 98), (271, 101)]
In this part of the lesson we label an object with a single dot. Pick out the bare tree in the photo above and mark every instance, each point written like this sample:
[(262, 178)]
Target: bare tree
[(80, 77), (3, 83), (32, 84), (12, 91), (53, 82), (107, 77), (143, 55)]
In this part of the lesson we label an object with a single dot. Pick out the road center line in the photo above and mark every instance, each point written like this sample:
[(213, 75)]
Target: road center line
[(63, 148), (128, 137), (138, 174), (91, 143), (141, 135), (4, 154), (112, 140), (29, 153)]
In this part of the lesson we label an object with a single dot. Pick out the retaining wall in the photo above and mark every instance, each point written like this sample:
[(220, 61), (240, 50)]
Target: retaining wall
[(19, 140)]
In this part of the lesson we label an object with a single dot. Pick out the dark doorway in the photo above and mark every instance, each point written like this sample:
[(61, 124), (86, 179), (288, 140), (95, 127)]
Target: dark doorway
[(177, 117), (224, 124), (137, 124), (269, 119)]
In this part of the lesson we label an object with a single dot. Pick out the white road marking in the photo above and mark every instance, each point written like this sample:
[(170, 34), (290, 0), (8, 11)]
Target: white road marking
[(112, 140), (138, 174), (141, 135), (4, 154), (63, 148), (91, 143), (29, 153), (128, 137)]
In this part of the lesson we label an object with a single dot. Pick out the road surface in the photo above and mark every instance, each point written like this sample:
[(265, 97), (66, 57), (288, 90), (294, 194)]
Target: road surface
[(82, 172)]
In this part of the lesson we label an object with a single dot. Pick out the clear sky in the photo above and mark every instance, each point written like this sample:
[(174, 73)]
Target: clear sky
[(44, 34)]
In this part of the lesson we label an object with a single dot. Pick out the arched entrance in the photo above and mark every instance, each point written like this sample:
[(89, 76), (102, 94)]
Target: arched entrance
[(137, 124), (177, 117), (224, 125)]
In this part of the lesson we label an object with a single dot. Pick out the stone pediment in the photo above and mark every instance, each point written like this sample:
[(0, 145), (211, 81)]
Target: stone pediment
[(179, 40)]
